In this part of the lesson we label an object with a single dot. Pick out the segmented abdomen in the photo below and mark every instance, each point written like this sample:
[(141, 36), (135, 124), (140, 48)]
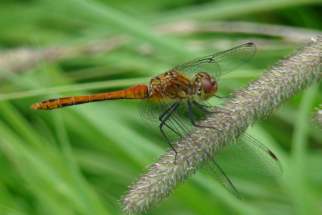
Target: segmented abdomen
[(136, 92)]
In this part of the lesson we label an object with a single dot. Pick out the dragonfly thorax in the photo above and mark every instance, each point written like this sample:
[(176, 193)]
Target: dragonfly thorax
[(205, 85), (174, 85)]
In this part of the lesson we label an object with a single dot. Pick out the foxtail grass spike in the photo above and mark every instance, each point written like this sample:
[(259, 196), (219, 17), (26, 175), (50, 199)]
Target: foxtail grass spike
[(318, 116)]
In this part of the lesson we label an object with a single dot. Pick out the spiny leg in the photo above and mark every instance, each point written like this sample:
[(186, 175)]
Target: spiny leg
[(181, 125), (165, 114), (163, 122), (177, 121), (167, 111), (172, 129), (192, 118)]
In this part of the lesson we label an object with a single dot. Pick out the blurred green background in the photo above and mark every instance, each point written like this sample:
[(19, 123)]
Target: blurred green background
[(80, 160)]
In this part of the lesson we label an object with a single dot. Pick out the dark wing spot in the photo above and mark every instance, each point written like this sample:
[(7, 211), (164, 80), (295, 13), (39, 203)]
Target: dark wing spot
[(272, 155), (249, 44)]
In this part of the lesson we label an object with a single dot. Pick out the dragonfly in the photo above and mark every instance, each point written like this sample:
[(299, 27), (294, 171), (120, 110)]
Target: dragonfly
[(190, 84)]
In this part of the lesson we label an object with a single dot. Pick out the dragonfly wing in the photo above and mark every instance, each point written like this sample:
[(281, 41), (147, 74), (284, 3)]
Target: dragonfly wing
[(252, 166), (248, 159), (267, 156), (214, 169), (220, 63)]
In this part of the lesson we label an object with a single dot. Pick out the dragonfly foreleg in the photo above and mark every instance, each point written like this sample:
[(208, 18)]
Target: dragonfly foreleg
[(203, 108), (192, 117)]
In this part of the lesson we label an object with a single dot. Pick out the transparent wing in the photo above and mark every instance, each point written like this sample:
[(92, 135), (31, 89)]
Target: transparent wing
[(220, 63), (245, 168), (252, 167), (267, 156), (214, 169), (177, 126), (249, 159)]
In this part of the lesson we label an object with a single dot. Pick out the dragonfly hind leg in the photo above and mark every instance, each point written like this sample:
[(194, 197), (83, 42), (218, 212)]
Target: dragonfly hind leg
[(163, 122)]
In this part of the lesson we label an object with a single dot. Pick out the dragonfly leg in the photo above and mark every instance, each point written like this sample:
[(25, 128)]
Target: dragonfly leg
[(192, 118), (168, 111), (165, 114), (206, 108), (163, 122), (203, 108), (221, 97), (168, 141), (172, 129)]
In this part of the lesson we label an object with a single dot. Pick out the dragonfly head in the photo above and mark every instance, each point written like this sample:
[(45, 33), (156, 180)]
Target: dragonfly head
[(205, 85)]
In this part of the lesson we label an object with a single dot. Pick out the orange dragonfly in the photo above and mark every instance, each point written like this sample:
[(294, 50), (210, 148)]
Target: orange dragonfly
[(175, 85), (189, 84)]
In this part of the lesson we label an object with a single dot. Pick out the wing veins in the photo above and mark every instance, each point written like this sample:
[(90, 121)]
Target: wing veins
[(218, 57)]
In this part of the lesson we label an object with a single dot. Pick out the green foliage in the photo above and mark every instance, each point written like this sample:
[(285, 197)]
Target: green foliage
[(80, 160)]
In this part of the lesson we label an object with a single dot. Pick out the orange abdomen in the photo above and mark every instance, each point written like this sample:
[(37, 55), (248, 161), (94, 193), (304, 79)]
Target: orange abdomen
[(136, 92)]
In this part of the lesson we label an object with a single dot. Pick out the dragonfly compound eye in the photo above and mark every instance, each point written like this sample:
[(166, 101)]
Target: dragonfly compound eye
[(209, 85), (205, 85)]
